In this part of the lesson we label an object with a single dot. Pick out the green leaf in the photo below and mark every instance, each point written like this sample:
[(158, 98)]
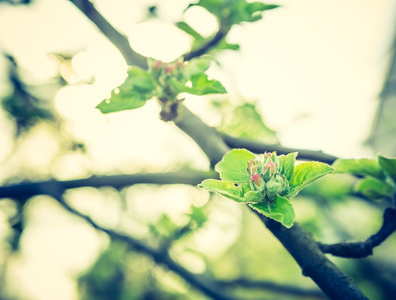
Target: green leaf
[(200, 85), (305, 174), (281, 210), (246, 122), (287, 164), (198, 65), (233, 166), (230, 190), (363, 166), (373, 188), (389, 166), (189, 30), (138, 87)]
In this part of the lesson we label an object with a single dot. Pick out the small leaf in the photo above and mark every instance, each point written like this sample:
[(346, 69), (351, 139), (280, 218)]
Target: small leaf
[(373, 188), (189, 30), (281, 210), (230, 190), (233, 166), (389, 166), (305, 174), (287, 164), (363, 166), (253, 128), (198, 65), (138, 87)]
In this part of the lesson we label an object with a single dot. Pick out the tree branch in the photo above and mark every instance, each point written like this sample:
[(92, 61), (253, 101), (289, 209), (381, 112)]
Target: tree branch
[(364, 249), (258, 147), (220, 34), (115, 37), (160, 256), (26, 190)]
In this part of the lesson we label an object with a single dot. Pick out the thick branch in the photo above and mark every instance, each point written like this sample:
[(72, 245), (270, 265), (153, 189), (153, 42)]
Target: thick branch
[(258, 147), (313, 262), (364, 249), (30, 189), (205, 136), (116, 38)]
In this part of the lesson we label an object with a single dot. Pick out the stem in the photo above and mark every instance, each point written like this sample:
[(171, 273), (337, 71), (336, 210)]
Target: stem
[(115, 37)]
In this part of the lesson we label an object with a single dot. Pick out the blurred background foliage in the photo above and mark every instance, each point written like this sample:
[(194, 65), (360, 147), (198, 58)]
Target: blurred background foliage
[(51, 130)]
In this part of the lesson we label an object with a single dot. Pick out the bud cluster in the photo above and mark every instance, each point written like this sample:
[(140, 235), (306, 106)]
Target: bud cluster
[(162, 72), (266, 176)]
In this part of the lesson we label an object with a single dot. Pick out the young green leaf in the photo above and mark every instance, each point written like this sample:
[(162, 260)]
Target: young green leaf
[(363, 166), (198, 65), (287, 164), (305, 174), (280, 210), (233, 166), (373, 188), (189, 30), (230, 190), (200, 85), (389, 166), (138, 87)]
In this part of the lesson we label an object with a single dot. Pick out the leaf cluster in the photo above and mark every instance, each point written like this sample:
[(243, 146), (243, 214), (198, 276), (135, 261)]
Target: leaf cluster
[(165, 81), (235, 183), (379, 176)]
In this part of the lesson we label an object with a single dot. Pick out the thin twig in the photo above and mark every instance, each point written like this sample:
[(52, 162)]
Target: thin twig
[(364, 249), (115, 37), (160, 256), (213, 42), (258, 147), (30, 189)]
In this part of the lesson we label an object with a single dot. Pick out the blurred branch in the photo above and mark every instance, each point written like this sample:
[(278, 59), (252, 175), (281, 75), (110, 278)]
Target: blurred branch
[(30, 189), (258, 147), (160, 256), (116, 38), (274, 287), (220, 34), (363, 249)]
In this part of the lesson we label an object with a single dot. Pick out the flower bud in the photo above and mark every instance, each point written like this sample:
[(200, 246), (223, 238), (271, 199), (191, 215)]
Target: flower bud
[(269, 170), (274, 187), (255, 166), (257, 183)]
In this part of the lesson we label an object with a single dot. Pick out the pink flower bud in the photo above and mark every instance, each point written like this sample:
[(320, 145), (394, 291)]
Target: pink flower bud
[(157, 65), (257, 183), (269, 170)]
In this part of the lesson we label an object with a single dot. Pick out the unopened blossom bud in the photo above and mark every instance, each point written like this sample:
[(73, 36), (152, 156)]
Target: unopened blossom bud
[(255, 166), (257, 183), (269, 170), (271, 157), (274, 187), (170, 68), (157, 65)]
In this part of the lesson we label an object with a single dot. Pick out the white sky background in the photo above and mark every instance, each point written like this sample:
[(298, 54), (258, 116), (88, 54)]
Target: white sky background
[(315, 69)]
